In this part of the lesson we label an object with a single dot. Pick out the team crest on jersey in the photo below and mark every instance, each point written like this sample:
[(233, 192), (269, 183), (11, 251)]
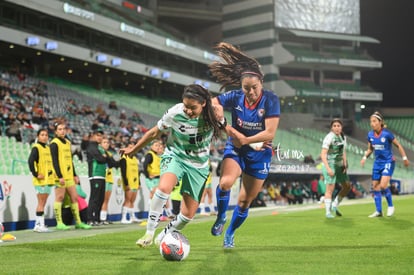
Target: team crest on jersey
[(260, 112), (239, 122), (383, 139)]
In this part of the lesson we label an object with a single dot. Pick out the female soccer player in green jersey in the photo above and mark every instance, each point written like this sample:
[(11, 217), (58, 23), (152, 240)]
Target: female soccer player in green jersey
[(192, 125), (334, 168)]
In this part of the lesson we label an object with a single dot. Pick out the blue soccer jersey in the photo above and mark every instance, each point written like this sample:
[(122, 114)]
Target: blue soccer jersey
[(250, 120), (382, 145)]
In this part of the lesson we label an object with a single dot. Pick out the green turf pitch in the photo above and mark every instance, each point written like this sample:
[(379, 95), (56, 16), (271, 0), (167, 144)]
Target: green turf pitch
[(280, 240)]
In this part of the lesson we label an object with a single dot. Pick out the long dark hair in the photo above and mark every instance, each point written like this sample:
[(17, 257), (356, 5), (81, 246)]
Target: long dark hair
[(236, 66), (202, 95), (340, 122)]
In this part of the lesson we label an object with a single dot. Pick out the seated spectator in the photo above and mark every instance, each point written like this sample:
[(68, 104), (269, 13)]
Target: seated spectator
[(309, 160), (39, 117), (96, 125), (13, 127), (287, 193), (99, 109), (86, 110), (297, 192), (104, 119), (123, 115), (258, 201), (112, 105), (136, 118), (124, 129), (273, 192)]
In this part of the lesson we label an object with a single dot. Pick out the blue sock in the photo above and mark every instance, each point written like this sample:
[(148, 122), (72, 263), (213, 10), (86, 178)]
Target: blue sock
[(239, 216), (388, 196), (223, 198), (378, 201)]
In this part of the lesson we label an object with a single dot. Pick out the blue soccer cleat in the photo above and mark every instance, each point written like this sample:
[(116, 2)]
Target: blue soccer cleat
[(218, 226), (228, 241)]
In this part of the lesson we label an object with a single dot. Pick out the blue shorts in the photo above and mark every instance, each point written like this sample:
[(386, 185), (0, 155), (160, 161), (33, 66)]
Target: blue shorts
[(382, 169), (255, 164)]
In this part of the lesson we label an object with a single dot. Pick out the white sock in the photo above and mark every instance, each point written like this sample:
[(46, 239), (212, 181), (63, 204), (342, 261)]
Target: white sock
[(155, 212), (178, 223), (103, 215), (202, 207), (124, 213), (212, 209), (337, 201), (38, 220), (328, 205), (131, 213)]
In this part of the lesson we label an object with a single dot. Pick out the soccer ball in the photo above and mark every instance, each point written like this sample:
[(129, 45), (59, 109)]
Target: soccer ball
[(174, 246)]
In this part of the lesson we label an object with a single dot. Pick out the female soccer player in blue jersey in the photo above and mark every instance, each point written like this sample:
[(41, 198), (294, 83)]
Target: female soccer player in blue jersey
[(192, 125), (255, 118), (380, 141)]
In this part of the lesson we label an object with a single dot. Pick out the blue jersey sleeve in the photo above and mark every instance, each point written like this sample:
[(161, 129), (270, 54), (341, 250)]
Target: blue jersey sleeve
[(228, 99), (272, 105)]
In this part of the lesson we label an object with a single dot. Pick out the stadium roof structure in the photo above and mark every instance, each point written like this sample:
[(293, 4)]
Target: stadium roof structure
[(333, 36)]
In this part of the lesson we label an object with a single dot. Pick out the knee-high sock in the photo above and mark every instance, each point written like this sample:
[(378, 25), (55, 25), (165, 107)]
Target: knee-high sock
[(103, 215), (178, 223), (328, 203), (388, 196), (156, 209), (75, 212), (202, 207), (40, 219), (131, 212), (124, 212), (337, 201), (57, 207), (378, 201), (211, 206), (239, 216), (223, 198)]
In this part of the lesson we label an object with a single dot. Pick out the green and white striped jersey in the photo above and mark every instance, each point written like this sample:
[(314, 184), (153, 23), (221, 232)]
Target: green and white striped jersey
[(336, 146), (189, 138)]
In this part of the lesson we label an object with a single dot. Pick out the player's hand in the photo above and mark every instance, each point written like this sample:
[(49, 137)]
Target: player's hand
[(125, 151), (406, 163), (218, 111), (40, 176), (362, 162), (267, 144)]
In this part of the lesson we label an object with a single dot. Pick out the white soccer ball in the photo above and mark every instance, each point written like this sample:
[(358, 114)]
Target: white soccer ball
[(256, 145), (175, 246)]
